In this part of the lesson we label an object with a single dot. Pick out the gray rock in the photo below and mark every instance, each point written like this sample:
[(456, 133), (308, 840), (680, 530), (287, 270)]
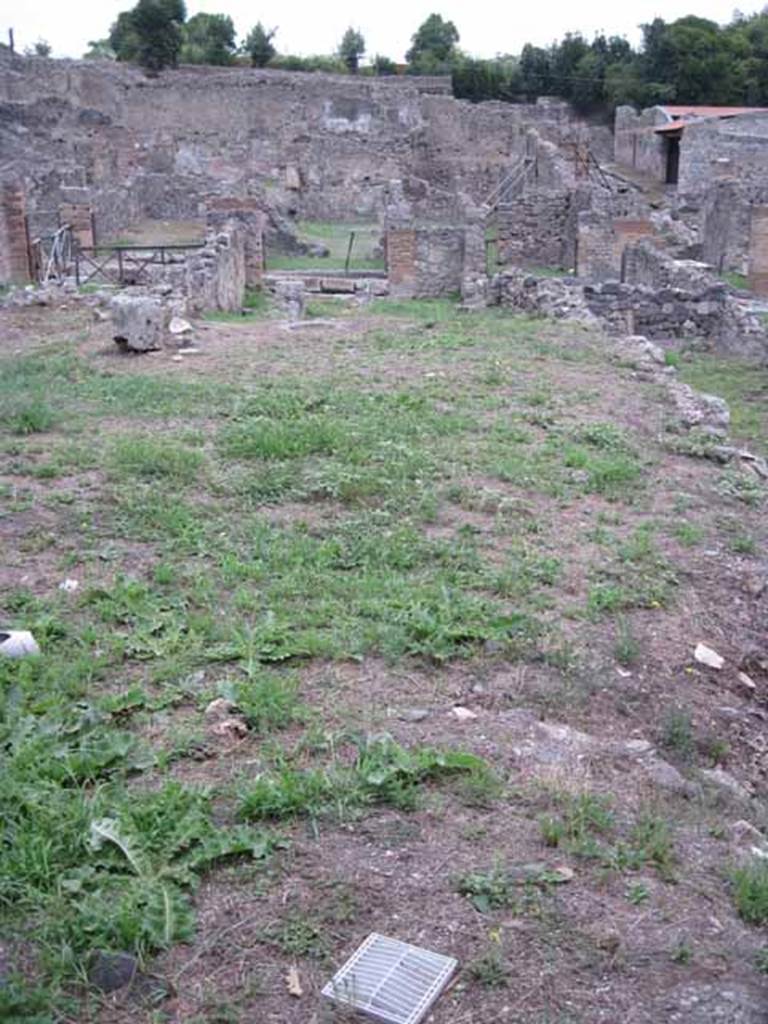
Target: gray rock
[(111, 971), (290, 296), (721, 1003), (724, 779), (138, 322), (666, 776), (318, 250), (413, 714), (695, 409)]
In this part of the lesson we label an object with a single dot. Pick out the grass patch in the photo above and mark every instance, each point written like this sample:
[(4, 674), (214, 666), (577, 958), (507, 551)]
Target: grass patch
[(750, 891), (743, 385), (383, 772), (149, 459)]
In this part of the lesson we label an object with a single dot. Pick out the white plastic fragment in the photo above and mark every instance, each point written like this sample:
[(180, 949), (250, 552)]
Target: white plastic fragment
[(18, 643), (706, 656), (69, 585)]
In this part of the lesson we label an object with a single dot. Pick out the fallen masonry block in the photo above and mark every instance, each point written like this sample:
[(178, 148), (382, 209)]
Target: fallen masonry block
[(138, 322)]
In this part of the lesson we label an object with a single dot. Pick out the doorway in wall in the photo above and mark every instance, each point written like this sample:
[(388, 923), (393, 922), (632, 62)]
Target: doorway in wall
[(672, 143)]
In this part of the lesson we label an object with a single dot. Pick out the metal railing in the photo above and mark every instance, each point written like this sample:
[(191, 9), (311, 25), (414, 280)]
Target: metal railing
[(124, 264), (51, 256)]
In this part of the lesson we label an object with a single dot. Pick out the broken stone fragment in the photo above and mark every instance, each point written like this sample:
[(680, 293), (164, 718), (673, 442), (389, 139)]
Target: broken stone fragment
[(695, 409), (706, 656), (18, 643)]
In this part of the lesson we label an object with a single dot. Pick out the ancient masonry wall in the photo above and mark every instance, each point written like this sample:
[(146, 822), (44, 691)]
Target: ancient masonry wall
[(426, 261), (636, 144), (602, 243), (532, 228), (223, 211), (318, 146), (758, 250), (14, 258), (727, 148)]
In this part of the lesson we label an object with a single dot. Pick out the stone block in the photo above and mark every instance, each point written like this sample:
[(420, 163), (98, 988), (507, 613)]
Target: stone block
[(138, 322), (337, 284)]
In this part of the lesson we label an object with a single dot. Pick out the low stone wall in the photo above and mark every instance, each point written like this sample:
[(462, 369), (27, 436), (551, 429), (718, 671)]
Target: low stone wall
[(709, 311)]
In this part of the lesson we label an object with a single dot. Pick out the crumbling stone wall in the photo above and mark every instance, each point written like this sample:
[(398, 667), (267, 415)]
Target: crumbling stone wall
[(724, 148), (724, 232), (705, 310), (224, 211), (602, 242), (318, 146), (636, 145), (425, 261), (215, 276), (532, 228)]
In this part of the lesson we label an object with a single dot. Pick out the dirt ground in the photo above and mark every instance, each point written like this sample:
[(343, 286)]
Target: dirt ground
[(603, 725)]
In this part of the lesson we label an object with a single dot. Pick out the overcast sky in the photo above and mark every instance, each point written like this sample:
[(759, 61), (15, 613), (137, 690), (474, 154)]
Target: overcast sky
[(487, 27)]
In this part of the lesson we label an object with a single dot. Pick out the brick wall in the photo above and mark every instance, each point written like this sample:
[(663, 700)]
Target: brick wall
[(758, 250), (401, 262), (14, 252)]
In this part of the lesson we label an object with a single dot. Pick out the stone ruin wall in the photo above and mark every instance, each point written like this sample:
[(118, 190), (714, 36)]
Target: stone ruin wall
[(635, 143), (317, 146), (733, 148)]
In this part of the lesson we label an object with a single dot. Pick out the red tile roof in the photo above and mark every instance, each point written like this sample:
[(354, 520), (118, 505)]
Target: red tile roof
[(694, 111)]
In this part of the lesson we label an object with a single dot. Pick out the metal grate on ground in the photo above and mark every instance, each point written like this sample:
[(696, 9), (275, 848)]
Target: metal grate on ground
[(390, 980)]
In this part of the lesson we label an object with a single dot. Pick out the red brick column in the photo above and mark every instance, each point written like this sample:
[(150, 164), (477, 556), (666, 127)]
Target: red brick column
[(401, 262), (14, 241), (758, 250)]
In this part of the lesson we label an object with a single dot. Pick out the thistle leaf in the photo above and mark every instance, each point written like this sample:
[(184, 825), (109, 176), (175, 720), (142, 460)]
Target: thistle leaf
[(108, 830)]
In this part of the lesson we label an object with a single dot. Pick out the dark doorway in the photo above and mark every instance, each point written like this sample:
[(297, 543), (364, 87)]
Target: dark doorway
[(673, 158)]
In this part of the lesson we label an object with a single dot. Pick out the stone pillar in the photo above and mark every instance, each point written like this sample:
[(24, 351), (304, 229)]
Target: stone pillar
[(474, 278), (758, 250), (401, 262), (14, 238), (250, 219)]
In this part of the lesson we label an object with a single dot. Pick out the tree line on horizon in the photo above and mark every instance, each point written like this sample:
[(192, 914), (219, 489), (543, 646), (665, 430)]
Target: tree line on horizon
[(690, 60)]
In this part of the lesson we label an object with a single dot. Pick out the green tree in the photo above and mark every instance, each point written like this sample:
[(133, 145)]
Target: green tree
[(208, 39), (150, 33), (99, 49), (258, 45), (123, 39), (351, 49), (535, 71), (433, 45), (383, 65), (42, 48)]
